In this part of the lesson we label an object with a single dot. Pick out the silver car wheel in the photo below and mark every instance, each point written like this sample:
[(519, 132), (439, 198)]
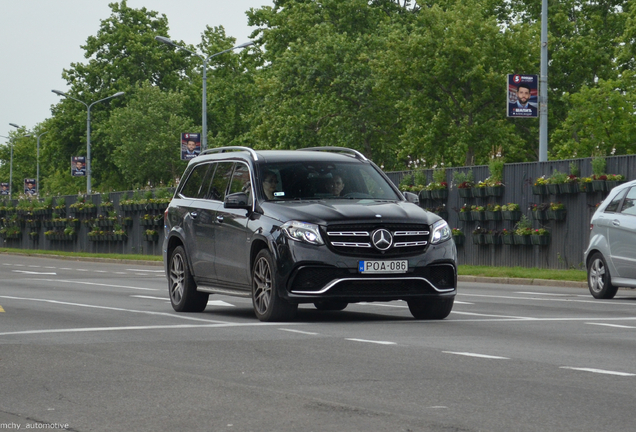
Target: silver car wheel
[(262, 285), (597, 275), (177, 278)]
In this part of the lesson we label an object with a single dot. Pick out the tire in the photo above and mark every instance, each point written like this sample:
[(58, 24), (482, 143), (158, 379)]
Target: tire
[(268, 305), (331, 305), (181, 286), (431, 309), (599, 279)]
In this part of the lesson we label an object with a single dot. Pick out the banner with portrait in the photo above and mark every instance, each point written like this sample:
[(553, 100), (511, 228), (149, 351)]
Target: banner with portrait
[(523, 96), (190, 145), (78, 166), (4, 188), (30, 187)]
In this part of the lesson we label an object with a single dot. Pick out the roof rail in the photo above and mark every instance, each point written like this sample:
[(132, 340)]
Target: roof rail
[(352, 152), (230, 148)]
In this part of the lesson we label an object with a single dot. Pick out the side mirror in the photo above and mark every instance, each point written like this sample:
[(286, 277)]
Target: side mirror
[(412, 198), (238, 200)]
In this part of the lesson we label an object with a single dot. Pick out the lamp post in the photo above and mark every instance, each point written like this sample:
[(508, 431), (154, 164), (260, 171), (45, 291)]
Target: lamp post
[(37, 179), (204, 106), (11, 163), (88, 131), (11, 167)]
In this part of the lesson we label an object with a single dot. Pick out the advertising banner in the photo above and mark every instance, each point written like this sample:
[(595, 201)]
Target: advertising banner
[(523, 96), (30, 187), (190, 145), (78, 166)]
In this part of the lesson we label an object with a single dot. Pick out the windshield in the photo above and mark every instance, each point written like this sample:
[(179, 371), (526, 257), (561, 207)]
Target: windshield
[(324, 180)]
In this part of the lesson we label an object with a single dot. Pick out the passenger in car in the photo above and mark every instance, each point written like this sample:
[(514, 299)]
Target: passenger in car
[(269, 184), (336, 185)]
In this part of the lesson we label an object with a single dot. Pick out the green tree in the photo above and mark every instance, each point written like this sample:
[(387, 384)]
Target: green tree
[(601, 120), (145, 137), (319, 86), (121, 55), (448, 77)]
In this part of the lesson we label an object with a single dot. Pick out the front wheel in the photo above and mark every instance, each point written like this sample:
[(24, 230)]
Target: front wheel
[(598, 278), (431, 309), (181, 286), (268, 305)]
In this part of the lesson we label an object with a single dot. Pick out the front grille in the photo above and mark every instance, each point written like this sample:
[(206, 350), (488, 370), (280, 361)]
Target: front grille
[(350, 283), (357, 239)]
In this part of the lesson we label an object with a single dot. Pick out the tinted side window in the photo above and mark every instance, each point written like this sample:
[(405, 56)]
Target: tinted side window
[(613, 206), (221, 178), (240, 179), (194, 184), (629, 203)]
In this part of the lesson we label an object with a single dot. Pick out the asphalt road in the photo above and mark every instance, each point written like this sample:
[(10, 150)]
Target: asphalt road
[(89, 346)]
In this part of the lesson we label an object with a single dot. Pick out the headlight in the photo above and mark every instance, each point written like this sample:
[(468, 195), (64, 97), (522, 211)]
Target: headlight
[(441, 232), (303, 232)]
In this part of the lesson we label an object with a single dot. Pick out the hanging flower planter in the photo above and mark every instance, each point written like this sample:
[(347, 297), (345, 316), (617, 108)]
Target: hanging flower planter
[(540, 239), (465, 192)]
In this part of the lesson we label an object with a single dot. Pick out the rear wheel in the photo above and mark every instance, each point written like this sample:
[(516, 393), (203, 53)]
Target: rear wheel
[(598, 278), (331, 305), (431, 309), (268, 305), (181, 286)]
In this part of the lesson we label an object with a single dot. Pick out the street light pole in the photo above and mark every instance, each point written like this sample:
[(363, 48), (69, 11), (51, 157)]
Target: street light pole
[(204, 104), (11, 163), (37, 179), (88, 131)]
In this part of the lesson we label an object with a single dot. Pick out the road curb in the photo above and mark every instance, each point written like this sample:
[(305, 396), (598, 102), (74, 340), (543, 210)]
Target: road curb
[(522, 281)]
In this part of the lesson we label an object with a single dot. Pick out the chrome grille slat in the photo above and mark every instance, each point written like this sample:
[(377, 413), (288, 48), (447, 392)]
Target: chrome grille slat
[(351, 244), (410, 233), (410, 244), (348, 233)]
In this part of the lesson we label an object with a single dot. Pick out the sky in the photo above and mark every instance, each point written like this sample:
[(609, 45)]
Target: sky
[(41, 38)]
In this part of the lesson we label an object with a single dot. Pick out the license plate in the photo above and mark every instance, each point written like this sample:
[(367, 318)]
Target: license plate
[(395, 266)]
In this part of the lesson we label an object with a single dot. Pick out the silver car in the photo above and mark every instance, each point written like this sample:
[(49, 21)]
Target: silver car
[(610, 258)]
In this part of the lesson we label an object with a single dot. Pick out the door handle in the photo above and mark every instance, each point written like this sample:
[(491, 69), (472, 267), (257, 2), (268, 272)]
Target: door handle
[(616, 223), (194, 215), (219, 218)]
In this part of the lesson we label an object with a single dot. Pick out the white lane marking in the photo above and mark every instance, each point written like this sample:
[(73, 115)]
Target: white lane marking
[(99, 284), (164, 314), (33, 272), (464, 303), (552, 299), (504, 318), (148, 271), (476, 355), (83, 270), (220, 303), (495, 316), (34, 266), (371, 341), (299, 331), (598, 371), (49, 267), (545, 294), (612, 325), (157, 327), (150, 297)]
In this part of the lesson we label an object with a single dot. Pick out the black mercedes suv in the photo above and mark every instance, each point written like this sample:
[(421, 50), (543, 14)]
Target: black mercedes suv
[(317, 225)]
